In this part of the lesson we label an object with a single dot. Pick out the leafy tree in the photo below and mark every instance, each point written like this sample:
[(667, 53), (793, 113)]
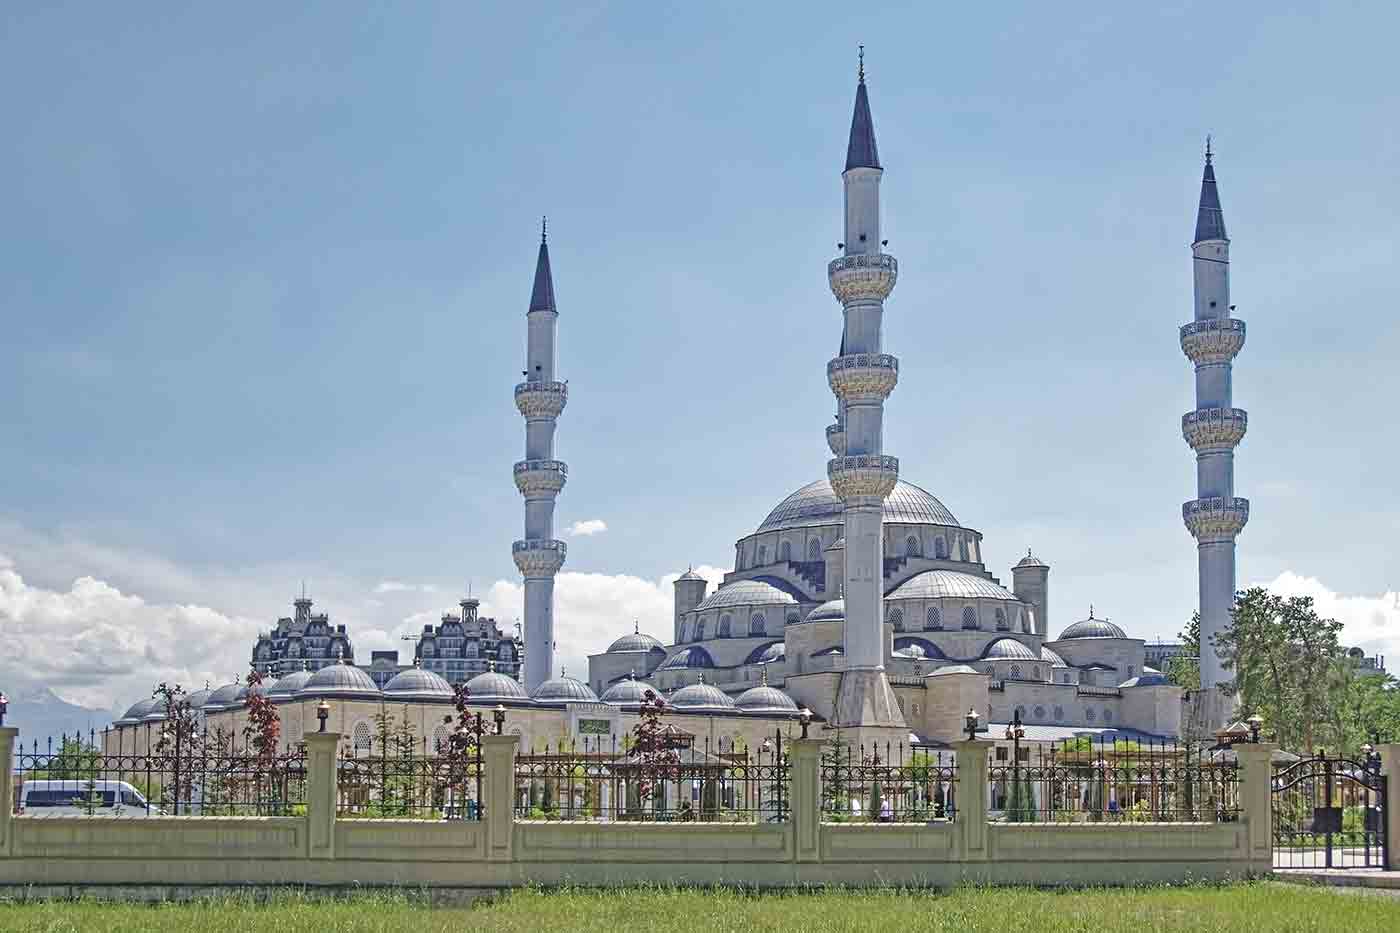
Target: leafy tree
[(180, 746), (459, 758), (261, 733), (657, 761), (1184, 670)]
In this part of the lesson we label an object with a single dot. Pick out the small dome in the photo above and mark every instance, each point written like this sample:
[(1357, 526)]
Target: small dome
[(832, 611), (765, 699), (222, 698), (635, 641), (1093, 628), (746, 593), (137, 712), (910, 652), (955, 669), (1147, 680), (564, 689), (690, 575), (629, 692), (1030, 560), (916, 648), (1052, 657), (418, 684), (342, 679), (288, 686), (701, 696), (245, 691), (694, 656), (496, 687), (1009, 649), (767, 654)]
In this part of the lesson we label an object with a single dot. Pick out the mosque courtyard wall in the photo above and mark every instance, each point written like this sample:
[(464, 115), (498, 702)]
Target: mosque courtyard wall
[(161, 855)]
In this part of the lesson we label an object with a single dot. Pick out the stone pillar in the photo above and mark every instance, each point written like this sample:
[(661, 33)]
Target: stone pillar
[(7, 788), (1390, 767), (806, 804), (498, 760), (1256, 802), (972, 797), (321, 795)]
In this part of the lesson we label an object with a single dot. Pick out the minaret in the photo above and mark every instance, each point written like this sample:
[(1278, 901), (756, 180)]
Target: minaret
[(1216, 516), (862, 378), (540, 477)]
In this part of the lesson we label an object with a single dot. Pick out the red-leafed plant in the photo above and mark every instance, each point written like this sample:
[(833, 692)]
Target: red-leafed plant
[(261, 733), (459, 757), (655, 758)]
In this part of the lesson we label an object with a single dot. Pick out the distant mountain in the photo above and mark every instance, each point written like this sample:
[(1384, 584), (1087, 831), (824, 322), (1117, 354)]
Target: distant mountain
[(39, 713)]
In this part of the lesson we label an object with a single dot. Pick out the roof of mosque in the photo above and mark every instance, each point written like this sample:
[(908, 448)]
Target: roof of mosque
[(934, 584), (493, 685), (1093, 628), (763, 654), (1147, 680), (223, 696), (288, 685), (635, 641), (1030, 560), (417, 683), (1053, 657), (816, 504), (1009, 649), (138, 709), (831, 611), (1210, 219), (701, 696), (860, 150), (765, 699), (955, 669), (694, 656), (916, 647), (340, 679), (745, 593), (628, 692), (564, 689)]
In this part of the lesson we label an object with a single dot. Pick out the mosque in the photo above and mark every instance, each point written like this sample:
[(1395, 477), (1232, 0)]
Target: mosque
[(860, 598)]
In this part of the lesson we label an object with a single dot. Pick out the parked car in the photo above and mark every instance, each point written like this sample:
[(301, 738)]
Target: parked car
[(83, 798)]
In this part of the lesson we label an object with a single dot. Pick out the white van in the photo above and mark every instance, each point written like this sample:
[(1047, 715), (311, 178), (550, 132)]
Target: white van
[(83, 798)]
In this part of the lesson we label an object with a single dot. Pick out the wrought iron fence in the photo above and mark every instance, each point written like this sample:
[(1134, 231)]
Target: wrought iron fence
[(1329, 812), (1087, 780), (890, 784), (73, 776), (407, 779), (600, 780)]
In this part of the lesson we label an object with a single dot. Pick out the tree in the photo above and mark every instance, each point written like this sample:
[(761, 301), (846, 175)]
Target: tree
[(656, 760), (180, 745), (1184, 670), (459, 758)]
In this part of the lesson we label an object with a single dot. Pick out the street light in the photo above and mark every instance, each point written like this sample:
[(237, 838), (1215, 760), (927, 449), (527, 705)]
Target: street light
[(970, 724), (1255, 722), (323, 712), (805, 718), (499, 715)]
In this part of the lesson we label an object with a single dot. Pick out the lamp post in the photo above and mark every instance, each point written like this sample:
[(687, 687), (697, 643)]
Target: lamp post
[(1255, 723), (499, 715), (323, 712), (805, 718), (970, 724)]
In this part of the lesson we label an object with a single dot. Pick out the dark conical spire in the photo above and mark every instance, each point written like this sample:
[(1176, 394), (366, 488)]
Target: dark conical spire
[(542, 296), (860, 151), (1210, 219)]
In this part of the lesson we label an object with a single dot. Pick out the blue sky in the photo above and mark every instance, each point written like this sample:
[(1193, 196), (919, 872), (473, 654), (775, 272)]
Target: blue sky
[(265, 271)]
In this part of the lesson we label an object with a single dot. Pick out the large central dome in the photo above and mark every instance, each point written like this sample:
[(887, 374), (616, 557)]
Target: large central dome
[(816, 504)]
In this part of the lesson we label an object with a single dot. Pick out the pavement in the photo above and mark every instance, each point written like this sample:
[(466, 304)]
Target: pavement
[(1373, 878)]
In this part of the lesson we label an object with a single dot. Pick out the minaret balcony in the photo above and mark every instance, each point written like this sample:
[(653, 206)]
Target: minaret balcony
[(541, 399), (1214, 428), (539, 478), (865, 476), (863, 376), (862, 278), (1216, 341), (836, 438), (1216, 519), (538, 557)]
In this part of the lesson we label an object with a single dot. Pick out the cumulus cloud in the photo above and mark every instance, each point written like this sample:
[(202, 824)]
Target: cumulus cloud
[(1371, 623), (591, 526), (395, 586)]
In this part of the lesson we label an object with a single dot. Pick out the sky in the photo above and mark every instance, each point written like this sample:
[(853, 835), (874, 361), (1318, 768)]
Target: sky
[(264, 272)]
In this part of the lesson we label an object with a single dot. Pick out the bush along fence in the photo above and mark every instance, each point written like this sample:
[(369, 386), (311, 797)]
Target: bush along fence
[(484, 814)]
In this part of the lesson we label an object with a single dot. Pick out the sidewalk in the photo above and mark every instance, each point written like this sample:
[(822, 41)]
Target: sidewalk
[(1341, 877)]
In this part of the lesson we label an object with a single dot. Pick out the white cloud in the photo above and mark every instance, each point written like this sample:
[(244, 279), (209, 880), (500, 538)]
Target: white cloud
[(394, 586), (1369, 622), (591, 526)]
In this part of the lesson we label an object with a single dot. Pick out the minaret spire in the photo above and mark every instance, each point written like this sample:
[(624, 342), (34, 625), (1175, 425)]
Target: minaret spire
[(540, 477), (1213, 430), (861, 475)]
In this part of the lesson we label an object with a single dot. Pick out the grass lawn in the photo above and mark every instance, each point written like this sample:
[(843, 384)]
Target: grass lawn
[(1236, 908)]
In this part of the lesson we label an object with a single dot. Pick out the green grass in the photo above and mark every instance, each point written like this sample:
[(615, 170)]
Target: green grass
[(1242, 908)]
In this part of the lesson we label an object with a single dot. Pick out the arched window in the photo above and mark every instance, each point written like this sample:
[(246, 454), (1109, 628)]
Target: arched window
[(1025, 619), (700, 630), (1022, 711), (1130, 670), (762, 555), (681, 637), (962, 549), (897, 619), (757, 623), (911, 546), (724, 623), (785, 551), (969, 617), (1040, 712), (1001, 620), (1089, 715), (814, 550), (362, 737), (1015, 672), (793, 618), (934, 619), (1059, 713), (439, 739), (940, 548), (1035, 672)]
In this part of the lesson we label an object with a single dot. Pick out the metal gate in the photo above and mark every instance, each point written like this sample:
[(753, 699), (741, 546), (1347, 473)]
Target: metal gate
[(1329, 813)]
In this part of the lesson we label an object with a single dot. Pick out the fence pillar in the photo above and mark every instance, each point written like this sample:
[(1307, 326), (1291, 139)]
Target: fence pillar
[(321, 750), (1256, 801), (498, 761), (7, 787), (971, 797), (805, 756), (1390, 768)]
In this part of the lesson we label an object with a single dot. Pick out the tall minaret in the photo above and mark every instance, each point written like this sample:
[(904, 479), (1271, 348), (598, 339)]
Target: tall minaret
[(1216, 516), (539, 477), (861, 475)]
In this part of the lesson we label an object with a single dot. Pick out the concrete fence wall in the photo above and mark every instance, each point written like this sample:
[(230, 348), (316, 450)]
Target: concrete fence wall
[(64, 854)]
